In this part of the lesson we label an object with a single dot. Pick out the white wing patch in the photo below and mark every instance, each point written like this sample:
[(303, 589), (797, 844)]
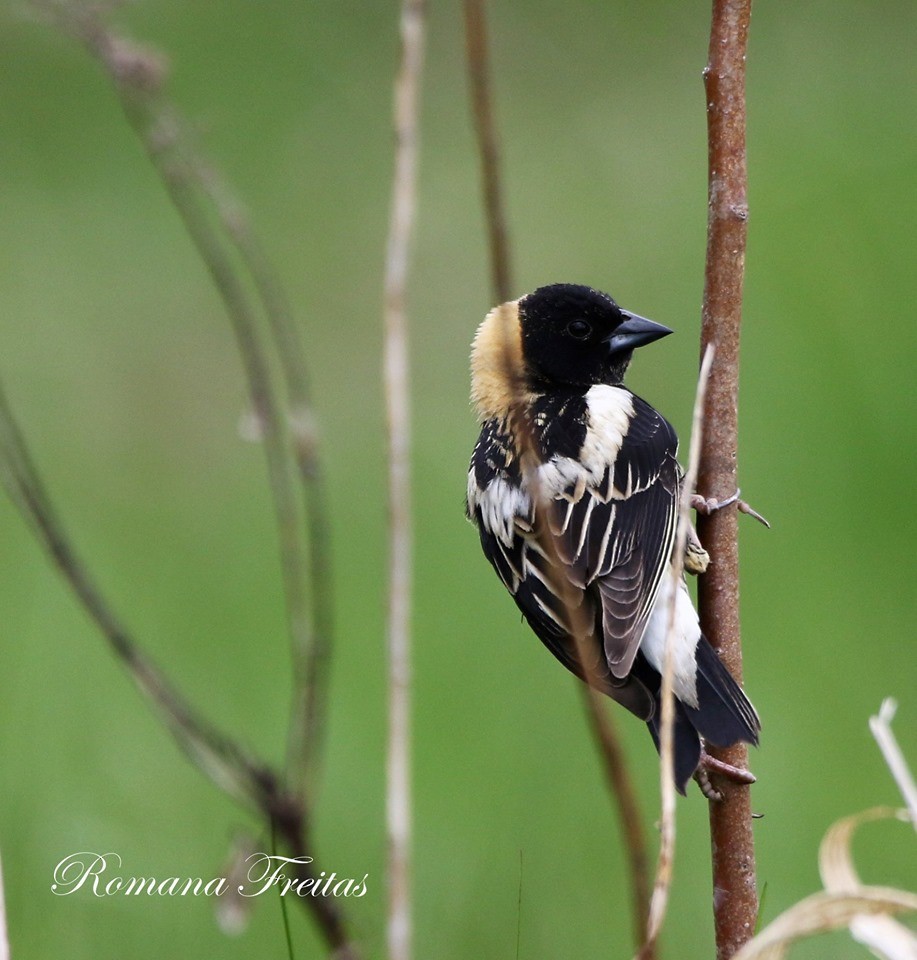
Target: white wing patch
[(610, 412), (502, 504), (506, 509), (684, 641)]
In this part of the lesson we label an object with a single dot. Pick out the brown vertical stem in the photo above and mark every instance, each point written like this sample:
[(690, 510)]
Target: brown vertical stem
[(624, 799), (735, 898), (486, 133)]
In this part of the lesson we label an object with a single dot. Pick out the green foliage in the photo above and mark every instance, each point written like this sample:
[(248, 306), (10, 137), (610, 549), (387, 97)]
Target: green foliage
[(123, 372)]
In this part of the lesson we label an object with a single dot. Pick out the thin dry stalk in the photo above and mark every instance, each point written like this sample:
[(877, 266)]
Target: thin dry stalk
[(396, 378), (881, 727), (485, 128), (735, 895), (226, 763), (307, 718), (666, 860), (137, 75), (624, 799), (614, 764)]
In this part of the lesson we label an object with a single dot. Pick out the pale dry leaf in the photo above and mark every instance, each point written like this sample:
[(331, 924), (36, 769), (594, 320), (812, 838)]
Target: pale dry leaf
[(885, 937), (820, 913)]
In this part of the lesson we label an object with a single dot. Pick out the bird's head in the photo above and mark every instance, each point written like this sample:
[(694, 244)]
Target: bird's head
[(576, 336), (562, 335)]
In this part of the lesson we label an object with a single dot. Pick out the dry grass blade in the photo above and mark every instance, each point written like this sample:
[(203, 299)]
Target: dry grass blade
[(666, 859), (307, 716), (137, 75), (881, 727), (884, 936), (820, 913), (845, 902), (396, 379)]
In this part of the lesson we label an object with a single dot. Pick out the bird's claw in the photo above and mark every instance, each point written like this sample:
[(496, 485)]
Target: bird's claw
[(709, 505), (727, 770)]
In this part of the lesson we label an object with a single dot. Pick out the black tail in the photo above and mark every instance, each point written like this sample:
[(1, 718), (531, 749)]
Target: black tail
[(723, 715)]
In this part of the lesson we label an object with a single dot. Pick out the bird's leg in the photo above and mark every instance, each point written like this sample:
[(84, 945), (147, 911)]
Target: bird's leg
[(708, 505), (727, 770)]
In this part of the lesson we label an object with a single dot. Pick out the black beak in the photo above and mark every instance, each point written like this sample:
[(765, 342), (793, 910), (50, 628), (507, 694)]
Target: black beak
[(635, 332)]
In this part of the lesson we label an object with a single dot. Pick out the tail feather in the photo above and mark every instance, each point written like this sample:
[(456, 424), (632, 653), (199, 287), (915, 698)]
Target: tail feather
[(686, 744), (723, 715)]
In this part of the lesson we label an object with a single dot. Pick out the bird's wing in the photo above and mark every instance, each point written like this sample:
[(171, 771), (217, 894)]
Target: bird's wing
[(612, 512), (615, 521), (502, 511)]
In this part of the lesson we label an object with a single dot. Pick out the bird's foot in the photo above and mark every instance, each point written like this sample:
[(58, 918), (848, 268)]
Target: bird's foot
[(696, 557), (727, 770), (708, 505)]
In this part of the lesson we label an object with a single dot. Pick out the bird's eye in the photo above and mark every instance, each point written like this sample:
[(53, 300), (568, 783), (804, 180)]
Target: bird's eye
[(579, 329)]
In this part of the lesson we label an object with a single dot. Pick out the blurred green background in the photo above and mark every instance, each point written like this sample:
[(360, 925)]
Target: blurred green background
[(120, 363)]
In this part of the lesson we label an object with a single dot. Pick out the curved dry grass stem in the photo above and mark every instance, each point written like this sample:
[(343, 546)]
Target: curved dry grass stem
[(396, 378), (820, 913), (732, 846), (884, 936), (307, 727), (868, 911), (485, 128), (666, 860), (137, 75), (232, 768), (226, 763)]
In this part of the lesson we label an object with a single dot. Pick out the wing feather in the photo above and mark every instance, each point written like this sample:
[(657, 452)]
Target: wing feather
[(612, 513), (619, 545)]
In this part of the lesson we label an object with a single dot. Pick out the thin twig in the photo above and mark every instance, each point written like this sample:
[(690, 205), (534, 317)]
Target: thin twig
[(232, 768), (614, 765), (137, 75), (397, 399), (307, 717), (488, 146), (624, 799), (228, 765), (666, 860), (881, 727), (735, 895)]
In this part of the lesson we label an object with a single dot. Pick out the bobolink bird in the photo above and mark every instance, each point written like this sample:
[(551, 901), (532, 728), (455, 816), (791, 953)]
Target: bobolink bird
[(574, 488)]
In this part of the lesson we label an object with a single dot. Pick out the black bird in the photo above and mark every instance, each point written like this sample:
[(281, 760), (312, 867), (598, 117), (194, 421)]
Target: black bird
[(567, 452)]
